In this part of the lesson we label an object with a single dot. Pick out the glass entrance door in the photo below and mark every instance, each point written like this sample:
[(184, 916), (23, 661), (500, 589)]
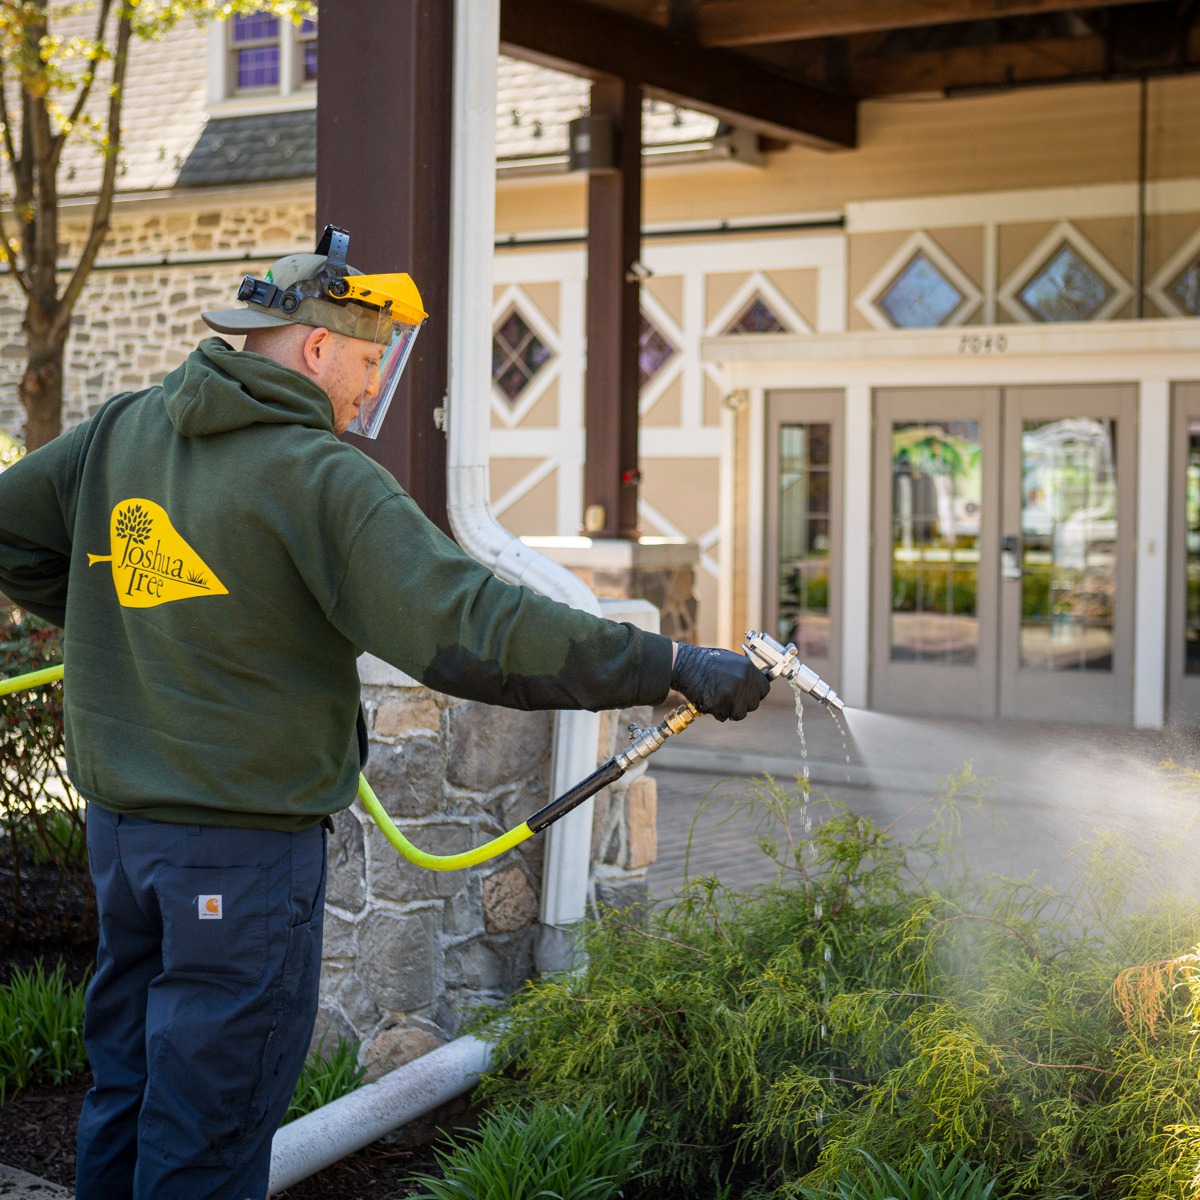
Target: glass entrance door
[(934, 630), (1003, 557), (1067, 554), (803, 524)]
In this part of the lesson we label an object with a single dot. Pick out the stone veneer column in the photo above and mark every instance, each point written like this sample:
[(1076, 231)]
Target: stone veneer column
[(410, 952), (660, 570)]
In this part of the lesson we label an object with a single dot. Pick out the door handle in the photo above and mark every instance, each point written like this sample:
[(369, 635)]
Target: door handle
[(1010, 558)]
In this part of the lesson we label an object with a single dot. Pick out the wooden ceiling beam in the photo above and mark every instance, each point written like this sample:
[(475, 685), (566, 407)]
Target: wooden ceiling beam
[(1005, 65), (1044, 61), (586, 39), (755, 22)]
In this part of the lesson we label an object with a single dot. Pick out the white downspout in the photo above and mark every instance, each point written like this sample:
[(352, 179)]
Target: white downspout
[(473, 225), (314, 1142)]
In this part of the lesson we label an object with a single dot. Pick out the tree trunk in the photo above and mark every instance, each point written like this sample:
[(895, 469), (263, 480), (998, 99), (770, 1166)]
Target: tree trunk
[(41, 386)]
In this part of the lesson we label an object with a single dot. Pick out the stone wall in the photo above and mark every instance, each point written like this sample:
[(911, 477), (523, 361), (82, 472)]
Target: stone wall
[(139, 315), (410, 952)]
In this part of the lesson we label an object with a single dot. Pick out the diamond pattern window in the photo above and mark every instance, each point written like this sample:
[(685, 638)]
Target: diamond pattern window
[(1186, 288), (518, 354), (655, 350), (757, 318), (920, 296), (1067, 288)]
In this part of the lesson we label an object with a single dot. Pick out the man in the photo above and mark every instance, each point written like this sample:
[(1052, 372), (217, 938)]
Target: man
[(218, 559)]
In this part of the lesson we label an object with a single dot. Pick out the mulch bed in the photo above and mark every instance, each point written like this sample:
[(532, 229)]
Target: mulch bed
[(37, 1125), (37, 1134)]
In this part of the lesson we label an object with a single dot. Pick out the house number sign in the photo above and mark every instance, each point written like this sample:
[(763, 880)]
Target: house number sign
[(983, 343)]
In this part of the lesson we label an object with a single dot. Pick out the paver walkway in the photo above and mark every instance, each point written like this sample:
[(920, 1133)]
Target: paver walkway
[(1051, 787)]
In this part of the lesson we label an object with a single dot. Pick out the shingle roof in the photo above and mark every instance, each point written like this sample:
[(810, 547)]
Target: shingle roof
[(256, 148), (171, 139)]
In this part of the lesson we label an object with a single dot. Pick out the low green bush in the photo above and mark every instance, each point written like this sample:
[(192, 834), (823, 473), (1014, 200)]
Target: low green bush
[(956, 1180), (41, 1029), (326, 1076), (876, 998), (42, 817), (539, 1150), (41, 1041)]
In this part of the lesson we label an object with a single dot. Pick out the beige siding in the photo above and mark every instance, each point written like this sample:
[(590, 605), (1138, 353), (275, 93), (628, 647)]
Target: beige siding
[(1034, 138)]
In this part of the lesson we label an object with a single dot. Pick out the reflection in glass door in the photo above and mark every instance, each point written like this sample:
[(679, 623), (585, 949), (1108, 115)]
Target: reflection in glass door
[(937, 485), (1068, 541), (803, 523), (934, 624), (1067, 574)]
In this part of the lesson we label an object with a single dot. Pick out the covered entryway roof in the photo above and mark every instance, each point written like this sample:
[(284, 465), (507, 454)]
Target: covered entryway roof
[(791, 70)]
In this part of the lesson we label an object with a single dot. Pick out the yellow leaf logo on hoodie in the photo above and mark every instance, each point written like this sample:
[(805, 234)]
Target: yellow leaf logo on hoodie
[(151, 563)]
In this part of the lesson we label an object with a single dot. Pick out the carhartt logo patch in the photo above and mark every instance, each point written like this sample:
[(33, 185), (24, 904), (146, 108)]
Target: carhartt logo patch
[(210, 908), (151, 563)]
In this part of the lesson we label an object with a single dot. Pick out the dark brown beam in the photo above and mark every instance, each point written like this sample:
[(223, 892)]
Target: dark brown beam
[(610, 472), (586, 39), (754, 22), (1042, 62), (1006, 64), (383, 173)]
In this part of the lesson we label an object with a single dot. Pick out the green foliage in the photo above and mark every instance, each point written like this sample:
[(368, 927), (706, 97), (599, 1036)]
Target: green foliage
[(957, 1180), (875, 998), (325, 1077), (42, 820), (933, 587), (41, 1029), (540, 1150)]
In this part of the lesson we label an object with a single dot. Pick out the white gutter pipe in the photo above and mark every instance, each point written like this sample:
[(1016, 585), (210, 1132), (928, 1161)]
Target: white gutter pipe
[(318, 1140), (468, 417)]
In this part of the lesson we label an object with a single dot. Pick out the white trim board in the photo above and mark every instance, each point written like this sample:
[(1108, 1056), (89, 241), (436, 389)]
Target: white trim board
[(1010, 207), (1111, 350)]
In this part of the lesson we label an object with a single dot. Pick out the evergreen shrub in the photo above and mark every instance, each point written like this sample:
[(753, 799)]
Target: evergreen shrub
[(46, 893), (877, 1003)]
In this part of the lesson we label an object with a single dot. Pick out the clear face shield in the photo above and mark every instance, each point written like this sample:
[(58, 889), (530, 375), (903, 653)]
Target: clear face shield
[(400, 317)]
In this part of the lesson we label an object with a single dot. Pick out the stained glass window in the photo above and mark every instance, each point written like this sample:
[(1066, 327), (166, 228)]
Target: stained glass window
[(1066, 288), (757, 318), (654, 351), (920, 296), (518, 354), (1186, 288)]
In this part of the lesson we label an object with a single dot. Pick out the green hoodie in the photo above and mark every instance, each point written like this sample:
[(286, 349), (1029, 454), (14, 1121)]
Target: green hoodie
[(218, 559)]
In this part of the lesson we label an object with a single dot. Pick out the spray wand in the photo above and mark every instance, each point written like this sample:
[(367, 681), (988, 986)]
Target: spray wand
[(772, 658)]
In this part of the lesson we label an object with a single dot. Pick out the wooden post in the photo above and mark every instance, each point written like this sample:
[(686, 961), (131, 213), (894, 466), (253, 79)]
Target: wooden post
[(383, 174), (610, 484)]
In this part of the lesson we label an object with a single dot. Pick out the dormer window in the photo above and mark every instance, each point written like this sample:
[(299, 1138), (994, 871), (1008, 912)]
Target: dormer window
[(262, 60)]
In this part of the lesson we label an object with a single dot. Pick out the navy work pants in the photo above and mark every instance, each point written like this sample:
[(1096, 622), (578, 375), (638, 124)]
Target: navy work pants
[(201, 1010)]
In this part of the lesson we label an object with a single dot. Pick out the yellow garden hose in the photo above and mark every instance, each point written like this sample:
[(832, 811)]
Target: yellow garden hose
[(421, 858), (438, 862), (772, 658)]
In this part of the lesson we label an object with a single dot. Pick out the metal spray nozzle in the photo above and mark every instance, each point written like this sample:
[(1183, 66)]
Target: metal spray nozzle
[(774, 660)]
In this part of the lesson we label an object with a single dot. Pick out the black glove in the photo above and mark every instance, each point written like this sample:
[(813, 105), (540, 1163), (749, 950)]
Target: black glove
[(718, 682)]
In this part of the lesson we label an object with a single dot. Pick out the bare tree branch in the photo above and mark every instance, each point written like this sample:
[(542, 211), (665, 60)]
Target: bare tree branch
[(102, 213), (87, 82)]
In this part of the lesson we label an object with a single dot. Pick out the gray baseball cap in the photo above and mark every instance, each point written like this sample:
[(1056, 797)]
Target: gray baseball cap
[(305, 301)]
